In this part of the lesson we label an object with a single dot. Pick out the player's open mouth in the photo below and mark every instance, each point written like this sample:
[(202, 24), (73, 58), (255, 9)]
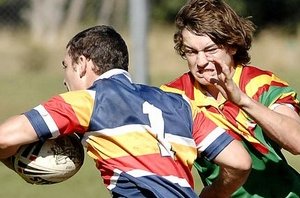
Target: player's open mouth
[(205, 71)]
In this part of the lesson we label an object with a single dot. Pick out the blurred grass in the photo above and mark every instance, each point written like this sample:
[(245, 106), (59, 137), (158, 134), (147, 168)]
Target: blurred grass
[(22, 88)]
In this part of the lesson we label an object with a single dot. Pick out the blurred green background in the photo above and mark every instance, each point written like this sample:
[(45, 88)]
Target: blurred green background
[(31, 56)]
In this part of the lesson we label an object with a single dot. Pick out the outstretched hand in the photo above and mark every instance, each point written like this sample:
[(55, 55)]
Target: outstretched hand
[(225, 84)]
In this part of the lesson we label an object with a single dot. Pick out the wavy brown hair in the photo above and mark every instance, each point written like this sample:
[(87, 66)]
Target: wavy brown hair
[(220, 22)]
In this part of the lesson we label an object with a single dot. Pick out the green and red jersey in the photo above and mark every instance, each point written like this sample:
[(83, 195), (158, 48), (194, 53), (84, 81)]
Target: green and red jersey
[(271, 175)]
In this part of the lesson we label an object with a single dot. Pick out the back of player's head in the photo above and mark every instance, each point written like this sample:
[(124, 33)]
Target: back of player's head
[(101, 44), (220, 22)]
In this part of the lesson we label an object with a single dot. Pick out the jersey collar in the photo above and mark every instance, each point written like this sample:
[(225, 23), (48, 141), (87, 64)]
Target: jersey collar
[(114, 72), (205, 99)]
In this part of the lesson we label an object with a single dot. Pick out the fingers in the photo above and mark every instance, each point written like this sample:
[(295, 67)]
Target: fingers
[(220, 86), (223, 68)]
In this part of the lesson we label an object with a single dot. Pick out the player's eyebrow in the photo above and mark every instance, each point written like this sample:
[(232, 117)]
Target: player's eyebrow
[(205, 48), (210, 46)]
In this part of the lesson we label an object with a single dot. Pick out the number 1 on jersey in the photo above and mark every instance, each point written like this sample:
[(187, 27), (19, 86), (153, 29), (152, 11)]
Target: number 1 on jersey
[(157, 124)]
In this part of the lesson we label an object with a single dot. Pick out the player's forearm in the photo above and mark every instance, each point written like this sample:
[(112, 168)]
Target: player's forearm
[(14, 132), (235, 166), (282, 129), (8, 152), (228, 181)]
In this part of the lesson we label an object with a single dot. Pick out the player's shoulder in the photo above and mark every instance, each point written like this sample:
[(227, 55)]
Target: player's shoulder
[(251, 77), (181, 82), (78, 94), (253, 71)]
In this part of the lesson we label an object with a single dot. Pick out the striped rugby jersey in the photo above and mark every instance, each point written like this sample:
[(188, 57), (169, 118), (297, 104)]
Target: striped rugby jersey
[(270, 171), (142, 139)]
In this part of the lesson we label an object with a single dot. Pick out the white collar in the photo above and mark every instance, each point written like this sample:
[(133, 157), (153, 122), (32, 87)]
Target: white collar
[(113, 72)]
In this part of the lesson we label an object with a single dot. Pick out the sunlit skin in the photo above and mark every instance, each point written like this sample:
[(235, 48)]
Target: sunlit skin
[(78, 75), (204, 57)]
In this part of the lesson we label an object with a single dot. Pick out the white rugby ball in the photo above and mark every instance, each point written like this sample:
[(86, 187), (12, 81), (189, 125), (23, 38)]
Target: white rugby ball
[(51, 161)]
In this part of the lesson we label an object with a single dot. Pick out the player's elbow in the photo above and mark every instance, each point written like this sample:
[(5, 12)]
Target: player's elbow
[(8, 152), (6, 140), (241, 159), (295, 150), (6, 148), (242, 169), (245, 169), (241, 163), (292, 147), (245, 164), (3, 142), (235, 157)]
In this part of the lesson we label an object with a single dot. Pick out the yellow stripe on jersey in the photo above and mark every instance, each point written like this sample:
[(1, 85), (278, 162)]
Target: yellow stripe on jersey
[(237, 74), (292, 94), (193, 104), (260, 81), (137, 144), (185, 148), (185, 153), (139, 141), (82, 103), (204, 100), (170, 89), (225, 124)]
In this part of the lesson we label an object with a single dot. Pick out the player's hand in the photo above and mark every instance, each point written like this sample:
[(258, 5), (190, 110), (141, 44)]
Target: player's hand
[(225, 84)]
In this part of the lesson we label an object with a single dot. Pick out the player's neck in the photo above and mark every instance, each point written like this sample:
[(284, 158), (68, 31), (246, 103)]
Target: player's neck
[(213, 92)]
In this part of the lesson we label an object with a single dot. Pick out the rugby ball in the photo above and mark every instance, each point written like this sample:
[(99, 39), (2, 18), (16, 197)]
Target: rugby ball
[(51, 161)]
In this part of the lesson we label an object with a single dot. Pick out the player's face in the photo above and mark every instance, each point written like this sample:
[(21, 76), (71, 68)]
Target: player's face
[(200, 53), (72, 79)]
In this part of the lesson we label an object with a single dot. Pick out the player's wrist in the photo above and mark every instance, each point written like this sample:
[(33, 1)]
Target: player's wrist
[(245, 101)]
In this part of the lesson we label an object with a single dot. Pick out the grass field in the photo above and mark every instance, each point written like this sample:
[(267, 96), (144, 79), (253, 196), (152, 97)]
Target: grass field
[(21, 88)]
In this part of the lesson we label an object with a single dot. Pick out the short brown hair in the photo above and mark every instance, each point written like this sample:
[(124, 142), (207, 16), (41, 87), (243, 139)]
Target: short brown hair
[(103, 45)]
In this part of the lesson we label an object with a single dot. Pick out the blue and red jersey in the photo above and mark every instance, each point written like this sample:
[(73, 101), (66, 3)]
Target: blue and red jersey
[(142, 139)]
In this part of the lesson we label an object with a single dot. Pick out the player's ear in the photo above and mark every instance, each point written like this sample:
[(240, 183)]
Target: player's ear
[(82, 65), (232, 51)]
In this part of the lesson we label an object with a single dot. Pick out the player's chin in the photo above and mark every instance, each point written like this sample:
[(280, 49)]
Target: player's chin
[(203, 81)]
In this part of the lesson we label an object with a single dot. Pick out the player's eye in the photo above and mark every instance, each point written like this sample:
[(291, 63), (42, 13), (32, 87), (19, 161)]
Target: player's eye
[(189, 52), (64, 66), (212, 50)]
